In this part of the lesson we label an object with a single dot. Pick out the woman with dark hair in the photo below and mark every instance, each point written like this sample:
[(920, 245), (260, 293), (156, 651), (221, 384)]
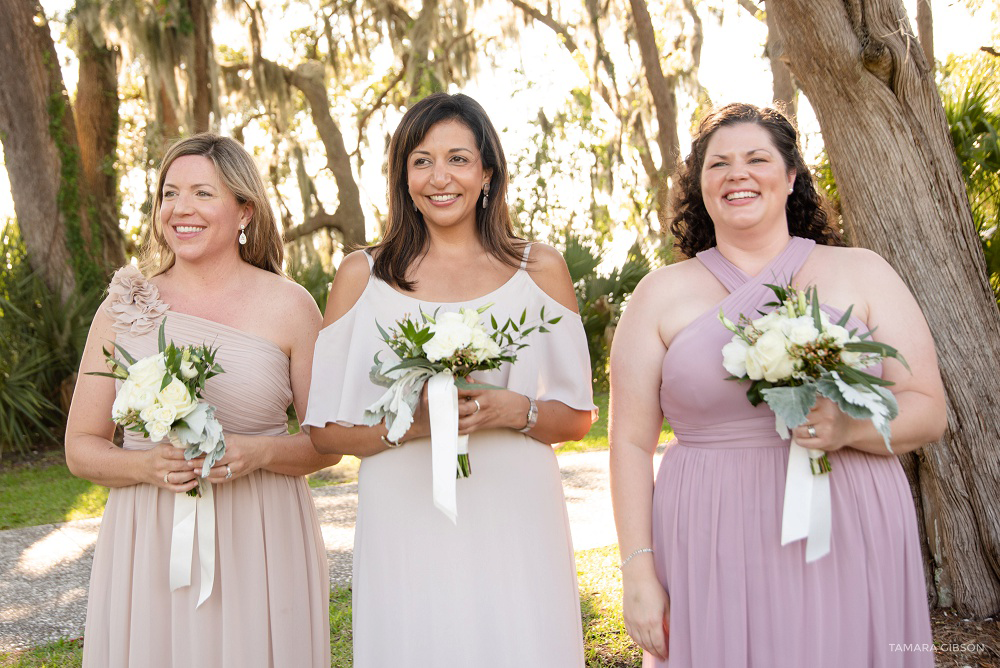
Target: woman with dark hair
[(497, 588), (706, 578), (259, 584)]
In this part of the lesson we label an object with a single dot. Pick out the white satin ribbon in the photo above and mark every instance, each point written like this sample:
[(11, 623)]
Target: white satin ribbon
[(446, 444), (190, 513), (808, 511)]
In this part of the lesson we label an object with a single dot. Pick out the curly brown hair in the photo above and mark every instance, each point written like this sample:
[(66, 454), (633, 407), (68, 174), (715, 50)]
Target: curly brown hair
[(807, 211)]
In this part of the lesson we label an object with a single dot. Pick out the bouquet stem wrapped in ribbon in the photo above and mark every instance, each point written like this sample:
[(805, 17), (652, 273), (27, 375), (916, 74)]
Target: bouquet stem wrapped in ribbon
[(160, 398), (441, 350), (791, 356)]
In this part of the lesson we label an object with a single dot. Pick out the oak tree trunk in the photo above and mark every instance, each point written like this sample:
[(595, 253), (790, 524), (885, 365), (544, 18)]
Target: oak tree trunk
[(96, 113), (34, 111), (902, 195)]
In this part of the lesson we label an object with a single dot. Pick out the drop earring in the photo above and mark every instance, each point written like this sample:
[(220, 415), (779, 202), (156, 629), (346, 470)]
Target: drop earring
[(414, 204), (243, 235), (486, 194)]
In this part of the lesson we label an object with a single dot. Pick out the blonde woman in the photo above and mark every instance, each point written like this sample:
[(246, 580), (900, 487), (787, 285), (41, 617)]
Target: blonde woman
[(213, 271)]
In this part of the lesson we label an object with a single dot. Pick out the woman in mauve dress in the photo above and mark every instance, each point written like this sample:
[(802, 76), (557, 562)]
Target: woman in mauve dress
[(213, 272), (497, 588), (707, 582)]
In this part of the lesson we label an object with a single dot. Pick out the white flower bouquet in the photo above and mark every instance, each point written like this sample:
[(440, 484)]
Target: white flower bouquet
[(160, 398), (795, 353), (454, 344)]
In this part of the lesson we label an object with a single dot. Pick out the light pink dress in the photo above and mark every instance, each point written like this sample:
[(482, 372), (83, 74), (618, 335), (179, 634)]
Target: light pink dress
[(499, 589), (738, 598), (270, 604)]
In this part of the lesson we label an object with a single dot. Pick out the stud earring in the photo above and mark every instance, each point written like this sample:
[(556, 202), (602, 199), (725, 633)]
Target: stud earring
[(486, 194), (791, 190), (243, 235)]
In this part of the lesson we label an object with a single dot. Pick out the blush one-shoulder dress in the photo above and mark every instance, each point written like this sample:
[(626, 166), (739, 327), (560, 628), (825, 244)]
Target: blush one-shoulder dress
[(738, 598), (269, 607), (498, 589)]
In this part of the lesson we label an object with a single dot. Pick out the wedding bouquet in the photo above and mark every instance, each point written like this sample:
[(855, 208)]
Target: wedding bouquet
[(160, 398), (795, 352), (452, 344)]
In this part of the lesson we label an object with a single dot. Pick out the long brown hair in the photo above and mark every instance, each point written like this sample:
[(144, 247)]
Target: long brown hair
[(406, 237), (239, 174), (806, 210)]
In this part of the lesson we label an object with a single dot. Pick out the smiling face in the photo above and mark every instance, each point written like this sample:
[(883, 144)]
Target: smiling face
[(199, 216), (744, 181), (445, 175)]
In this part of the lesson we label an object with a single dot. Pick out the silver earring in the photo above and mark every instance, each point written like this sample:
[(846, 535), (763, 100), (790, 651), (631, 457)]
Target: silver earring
[(243, 235), (486, 194), (414, 204)]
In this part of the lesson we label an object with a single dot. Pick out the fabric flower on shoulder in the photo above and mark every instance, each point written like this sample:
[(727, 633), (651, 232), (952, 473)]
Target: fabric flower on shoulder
[(135, 303)]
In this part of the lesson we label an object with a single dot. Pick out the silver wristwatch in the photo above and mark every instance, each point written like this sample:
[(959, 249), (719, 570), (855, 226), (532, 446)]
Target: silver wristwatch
[(532, 416)]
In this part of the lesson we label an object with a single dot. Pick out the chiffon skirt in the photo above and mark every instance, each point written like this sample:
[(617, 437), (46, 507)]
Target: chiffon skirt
[(496, 590), (740, 600), (269, 607)]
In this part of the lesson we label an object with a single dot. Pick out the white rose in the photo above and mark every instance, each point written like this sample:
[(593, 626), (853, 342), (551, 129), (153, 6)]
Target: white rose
[(766, 322), (123, 399), (801, 330), (484, 347), (734, 357), (158, 413), (178, 396), (148, 372), (768, 358), (157, 430), (470, 317), (838, 334), (142, 398), (187, 370), (852, 359), (451, 334)]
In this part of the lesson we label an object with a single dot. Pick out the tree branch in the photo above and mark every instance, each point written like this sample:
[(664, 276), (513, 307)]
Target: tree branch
[(549, 21), (754, 10)]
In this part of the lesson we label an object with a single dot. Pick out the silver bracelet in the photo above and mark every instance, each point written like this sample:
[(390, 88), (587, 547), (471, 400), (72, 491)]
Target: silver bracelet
[(634, 555)]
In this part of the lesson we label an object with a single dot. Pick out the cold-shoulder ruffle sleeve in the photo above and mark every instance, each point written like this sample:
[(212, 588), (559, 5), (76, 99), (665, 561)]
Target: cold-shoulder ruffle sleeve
[(343, 357), (133, 302), (554, 366)]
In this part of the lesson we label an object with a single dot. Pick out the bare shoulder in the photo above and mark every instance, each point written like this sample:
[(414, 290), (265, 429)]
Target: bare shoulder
[(665, 282), (289, 306), (859, 265), (548, 270), (348, 285)]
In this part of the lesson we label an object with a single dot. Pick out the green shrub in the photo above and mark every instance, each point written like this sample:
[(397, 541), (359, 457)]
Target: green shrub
[(41, 340)]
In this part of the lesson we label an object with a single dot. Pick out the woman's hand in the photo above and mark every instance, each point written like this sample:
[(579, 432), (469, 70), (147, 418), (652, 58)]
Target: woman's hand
[(826, 427), (491, 409), (243, 456), (646, 608), (168, 469)]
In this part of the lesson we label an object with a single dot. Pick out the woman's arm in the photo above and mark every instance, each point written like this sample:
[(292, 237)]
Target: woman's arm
[(361, 441), (896, 319), (90, 452), (556, 421), (635, 423)]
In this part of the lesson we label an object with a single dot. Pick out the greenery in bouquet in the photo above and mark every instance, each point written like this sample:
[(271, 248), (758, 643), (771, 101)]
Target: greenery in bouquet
[(160, 397), (456, 342), (796, 352)]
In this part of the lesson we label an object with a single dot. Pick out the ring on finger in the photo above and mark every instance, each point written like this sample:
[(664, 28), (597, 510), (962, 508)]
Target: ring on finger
[(165, 481), (478, 407), (811, 430), (229, 472)]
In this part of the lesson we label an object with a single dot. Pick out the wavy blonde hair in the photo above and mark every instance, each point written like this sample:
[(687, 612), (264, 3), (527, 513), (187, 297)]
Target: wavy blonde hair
[(239, 174)]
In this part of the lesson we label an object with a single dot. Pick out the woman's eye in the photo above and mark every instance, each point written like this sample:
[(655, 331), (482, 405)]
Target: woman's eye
[(203, 193), (420, 162), (168, 193), (459, 159)]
